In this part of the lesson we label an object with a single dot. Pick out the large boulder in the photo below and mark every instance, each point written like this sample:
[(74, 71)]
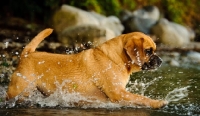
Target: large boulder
[(71, 16), (140, 20), (172, 34), (76, 19)]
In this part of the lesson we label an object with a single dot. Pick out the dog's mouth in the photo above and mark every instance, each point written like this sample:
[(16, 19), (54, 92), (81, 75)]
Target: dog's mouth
[(153, 63)]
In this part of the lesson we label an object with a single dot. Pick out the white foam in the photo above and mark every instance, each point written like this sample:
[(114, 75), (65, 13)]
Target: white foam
[(64, 99), (177, 94), (140, 86)]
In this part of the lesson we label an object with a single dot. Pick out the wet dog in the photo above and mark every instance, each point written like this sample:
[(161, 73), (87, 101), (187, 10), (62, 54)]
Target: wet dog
[(101, 73)]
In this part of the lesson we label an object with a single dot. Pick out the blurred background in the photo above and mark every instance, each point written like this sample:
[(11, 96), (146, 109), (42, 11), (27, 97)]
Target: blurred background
[(39, 12), (184, 12), (81, 24)]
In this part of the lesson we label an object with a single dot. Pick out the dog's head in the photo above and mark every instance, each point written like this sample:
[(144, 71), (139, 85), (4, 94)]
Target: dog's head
[(140, 48)]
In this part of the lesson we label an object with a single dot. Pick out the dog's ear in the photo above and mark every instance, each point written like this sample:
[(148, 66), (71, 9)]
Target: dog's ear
[(134, 49)]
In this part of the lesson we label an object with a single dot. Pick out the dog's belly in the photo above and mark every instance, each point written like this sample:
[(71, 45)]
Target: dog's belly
[(67, 85)]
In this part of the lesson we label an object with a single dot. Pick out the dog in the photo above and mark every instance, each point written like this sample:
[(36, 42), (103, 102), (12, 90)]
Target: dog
[(101, 72)]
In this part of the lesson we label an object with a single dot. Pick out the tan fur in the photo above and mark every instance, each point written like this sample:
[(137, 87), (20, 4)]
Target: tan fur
[(102, 72)]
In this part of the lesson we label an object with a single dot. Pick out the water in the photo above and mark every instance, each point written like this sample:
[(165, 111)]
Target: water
[(81, 112), (179, 85)]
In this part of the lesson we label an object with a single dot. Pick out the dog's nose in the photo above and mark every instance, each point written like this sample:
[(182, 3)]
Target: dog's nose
[(153, 63)]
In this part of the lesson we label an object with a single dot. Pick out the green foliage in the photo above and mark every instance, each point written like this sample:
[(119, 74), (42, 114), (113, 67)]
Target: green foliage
[(110, 7), (181, 11), (106, 7), (87, 5), (128, 4), (175, 9)]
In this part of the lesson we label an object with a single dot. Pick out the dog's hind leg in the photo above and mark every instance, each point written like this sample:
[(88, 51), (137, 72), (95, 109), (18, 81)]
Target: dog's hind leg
[(20, 86)]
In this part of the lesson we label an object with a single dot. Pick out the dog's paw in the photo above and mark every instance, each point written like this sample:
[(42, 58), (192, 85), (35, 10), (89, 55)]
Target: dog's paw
[(158, 103)]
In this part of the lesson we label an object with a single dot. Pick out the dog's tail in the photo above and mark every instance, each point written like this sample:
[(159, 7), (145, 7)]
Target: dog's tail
[(35, 41)]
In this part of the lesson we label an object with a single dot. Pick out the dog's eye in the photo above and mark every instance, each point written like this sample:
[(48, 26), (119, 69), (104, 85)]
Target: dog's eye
[(149, 51)]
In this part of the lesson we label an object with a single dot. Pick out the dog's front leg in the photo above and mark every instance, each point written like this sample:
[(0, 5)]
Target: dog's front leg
[(117, 93)]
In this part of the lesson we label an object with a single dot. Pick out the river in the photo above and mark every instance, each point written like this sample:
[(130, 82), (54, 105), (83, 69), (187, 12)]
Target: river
[(179, 85)]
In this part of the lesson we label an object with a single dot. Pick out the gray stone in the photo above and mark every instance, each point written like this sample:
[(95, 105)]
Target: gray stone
[(76, 19), (71, 16), (172, 34), (140, 20), (194, 56), (112, 24), (174, 63)]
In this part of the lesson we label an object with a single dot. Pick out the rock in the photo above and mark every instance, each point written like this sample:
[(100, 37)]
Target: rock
[(172, 34), (75, 36), (194, 56), (174, 63), (124, 15), (111, 22), (71, 17), (114, 24), (140, 20)]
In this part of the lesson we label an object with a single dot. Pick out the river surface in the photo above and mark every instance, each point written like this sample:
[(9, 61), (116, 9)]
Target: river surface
[(179, 85)]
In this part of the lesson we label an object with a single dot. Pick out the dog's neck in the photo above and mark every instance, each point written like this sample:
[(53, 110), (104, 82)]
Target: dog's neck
[(117, 54)]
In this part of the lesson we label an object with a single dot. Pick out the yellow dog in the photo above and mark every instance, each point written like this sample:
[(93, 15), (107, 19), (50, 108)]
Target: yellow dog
[(101, 73)]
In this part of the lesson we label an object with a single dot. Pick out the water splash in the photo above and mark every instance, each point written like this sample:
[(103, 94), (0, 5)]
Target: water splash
[(62, 98), (2, 96), (140, 87), (177, 94)]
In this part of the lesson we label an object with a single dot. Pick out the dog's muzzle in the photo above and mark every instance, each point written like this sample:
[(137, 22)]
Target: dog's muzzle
[(153, 63)]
